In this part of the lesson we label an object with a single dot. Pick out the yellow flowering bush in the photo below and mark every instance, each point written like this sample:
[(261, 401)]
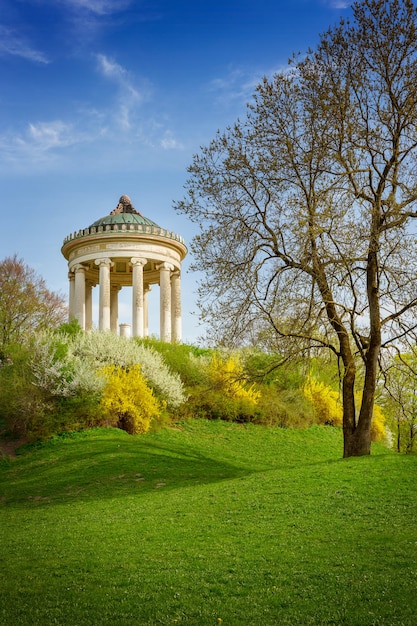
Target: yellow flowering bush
[(328, 408), (127, 401), (226, 375), (378, 431), (326, 403)]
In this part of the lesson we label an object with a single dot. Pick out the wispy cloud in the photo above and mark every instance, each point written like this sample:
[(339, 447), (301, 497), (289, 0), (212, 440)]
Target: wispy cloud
[(99, 7), (338, 4), (238, 85), (128, 96), (13, 44), (121, 76), (39, 143), (47, 135), (168, 141)]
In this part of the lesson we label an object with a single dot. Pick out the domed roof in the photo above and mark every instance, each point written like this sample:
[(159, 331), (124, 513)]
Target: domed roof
[(124, 218), (124, 213), (123, 222)]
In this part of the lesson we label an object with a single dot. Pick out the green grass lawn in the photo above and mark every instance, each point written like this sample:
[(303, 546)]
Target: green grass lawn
[(209, 523)]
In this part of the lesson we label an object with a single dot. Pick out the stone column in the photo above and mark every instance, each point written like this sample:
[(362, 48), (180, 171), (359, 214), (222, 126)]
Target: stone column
[(104, 299), (165, 270), (146, 290), (71, 300), (114, 308), (124, 330), (176, 306), (79, 294), (137, 296), (89, 305)]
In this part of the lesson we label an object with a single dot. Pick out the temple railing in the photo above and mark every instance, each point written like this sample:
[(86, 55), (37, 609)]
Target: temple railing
[(125, 228)]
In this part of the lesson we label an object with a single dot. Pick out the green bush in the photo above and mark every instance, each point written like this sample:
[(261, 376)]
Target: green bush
[(17, 393), (287, 409), (105, 348), (184, 359), (212, 404)]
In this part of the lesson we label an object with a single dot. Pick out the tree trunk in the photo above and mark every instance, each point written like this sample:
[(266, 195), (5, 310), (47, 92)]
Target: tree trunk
[(356, 437), (398, 435), (357, 443)]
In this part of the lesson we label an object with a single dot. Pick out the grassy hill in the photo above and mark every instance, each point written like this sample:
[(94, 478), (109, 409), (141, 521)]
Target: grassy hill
[(208, 523)]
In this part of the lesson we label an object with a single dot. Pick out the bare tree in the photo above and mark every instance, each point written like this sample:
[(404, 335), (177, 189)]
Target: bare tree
[(306, 207), (26, 305)]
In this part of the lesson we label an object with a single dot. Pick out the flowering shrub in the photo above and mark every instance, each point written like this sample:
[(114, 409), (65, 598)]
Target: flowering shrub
[(222, 392), (58, 371), (326, 403), (378, 430), (226, 375), (127, 401), (105, 348)]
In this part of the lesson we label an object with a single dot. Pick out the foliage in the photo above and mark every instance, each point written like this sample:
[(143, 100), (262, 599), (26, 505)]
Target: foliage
[(270, 369), (287, 408), (226, 375), (26, 305), (306, 207), (400, 399), (127, 401), (18, 397), (70, 328), (378, 430), (106, 348), (184, 359), (326, 402), (59, 370)]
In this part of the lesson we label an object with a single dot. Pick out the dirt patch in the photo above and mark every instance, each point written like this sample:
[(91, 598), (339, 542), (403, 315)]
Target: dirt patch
[(8, 447)]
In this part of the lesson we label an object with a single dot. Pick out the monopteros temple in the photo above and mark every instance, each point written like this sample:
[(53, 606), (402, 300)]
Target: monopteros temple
[(125, 249)]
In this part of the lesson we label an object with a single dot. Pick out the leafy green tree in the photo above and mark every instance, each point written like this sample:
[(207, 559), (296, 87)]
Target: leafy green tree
[(306, 207), (400, 382), (26, 305)]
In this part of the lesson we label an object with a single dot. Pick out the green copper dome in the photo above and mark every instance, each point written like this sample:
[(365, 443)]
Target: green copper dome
[(124, 218), (124, 213), (123, 221)]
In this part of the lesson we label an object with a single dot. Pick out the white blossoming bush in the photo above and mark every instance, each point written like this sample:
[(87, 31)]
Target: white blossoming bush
[(105, 348), (62, 386), (57, 370)]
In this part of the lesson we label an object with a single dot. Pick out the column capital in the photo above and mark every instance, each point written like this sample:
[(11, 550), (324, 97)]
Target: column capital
[(104, 262), (138, 261), (165, 266), (78, 267)]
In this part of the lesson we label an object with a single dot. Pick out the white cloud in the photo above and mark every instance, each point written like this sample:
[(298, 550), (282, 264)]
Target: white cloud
[(339, 4), (47, 135), (39, 143), (238, 85), (99, 7), (129, 97), (13, 44), (168, 142), (112, 70)]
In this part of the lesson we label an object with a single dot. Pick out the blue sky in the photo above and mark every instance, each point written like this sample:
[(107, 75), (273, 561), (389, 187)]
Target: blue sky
[(101, 98)]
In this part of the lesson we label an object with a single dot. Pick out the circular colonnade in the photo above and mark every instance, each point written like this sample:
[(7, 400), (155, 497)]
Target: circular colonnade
[(122, 249)]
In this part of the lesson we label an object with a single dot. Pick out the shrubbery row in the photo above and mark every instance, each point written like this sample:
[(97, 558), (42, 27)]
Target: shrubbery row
[(69, 380)]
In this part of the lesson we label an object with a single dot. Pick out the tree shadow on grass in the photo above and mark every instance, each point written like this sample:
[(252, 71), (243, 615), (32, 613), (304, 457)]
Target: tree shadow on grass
[(108, 467)]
